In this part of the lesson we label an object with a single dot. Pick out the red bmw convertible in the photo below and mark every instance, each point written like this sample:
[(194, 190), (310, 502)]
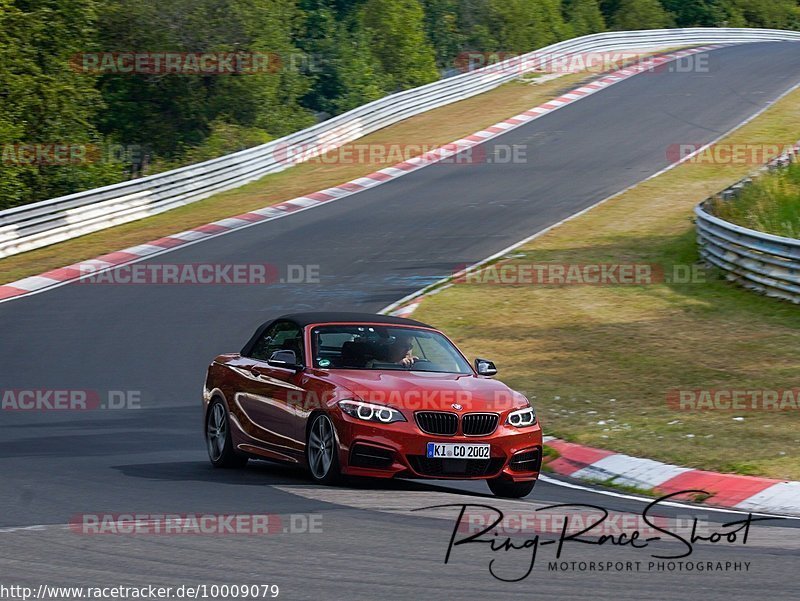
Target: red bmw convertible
[(352, 394)]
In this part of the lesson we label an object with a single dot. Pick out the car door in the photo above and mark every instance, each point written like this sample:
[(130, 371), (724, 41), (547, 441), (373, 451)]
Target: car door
[(273, 396)]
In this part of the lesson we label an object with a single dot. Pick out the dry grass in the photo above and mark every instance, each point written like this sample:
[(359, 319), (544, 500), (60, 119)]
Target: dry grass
[(598, 362)]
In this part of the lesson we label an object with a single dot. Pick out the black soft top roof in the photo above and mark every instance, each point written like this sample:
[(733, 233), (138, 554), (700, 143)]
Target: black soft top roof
[(304, 319)]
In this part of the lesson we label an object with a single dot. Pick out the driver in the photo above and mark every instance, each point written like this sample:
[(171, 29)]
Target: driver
[(399, 352)]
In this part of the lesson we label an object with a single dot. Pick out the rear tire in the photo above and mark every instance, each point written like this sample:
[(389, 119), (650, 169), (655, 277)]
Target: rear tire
[(219, 440), (322, 451), (502, 487)]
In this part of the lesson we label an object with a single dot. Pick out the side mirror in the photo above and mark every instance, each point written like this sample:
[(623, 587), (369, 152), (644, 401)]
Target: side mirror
[(484, 367), (284, 359)]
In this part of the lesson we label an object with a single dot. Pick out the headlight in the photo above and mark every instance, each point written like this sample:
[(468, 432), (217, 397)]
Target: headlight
[(521, 418), (371, 413)]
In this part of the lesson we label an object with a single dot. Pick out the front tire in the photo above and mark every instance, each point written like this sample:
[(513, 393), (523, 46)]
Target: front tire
[(502, 487), (219, 441), (322, 451)]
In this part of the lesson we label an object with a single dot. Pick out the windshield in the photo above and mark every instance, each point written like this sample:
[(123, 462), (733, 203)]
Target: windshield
[(385, 348)]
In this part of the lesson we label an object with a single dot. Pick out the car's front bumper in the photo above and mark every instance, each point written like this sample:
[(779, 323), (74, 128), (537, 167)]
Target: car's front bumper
[(399, 450)]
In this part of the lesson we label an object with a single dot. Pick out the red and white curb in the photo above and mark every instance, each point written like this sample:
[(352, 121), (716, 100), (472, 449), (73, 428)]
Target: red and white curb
[(748, 493), (59, 277)]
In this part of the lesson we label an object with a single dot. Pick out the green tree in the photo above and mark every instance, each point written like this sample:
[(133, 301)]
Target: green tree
[(473, 22), (524, 25), (584, 17), (172, 112), (272, 99), (641, 14), (778, 14), (608, 8), (359, 71), (226, 138), (345, 72), (319, 38), (45, 101), (704, 13), (696, 13), (443, 31), (13, 92), (396, 33)]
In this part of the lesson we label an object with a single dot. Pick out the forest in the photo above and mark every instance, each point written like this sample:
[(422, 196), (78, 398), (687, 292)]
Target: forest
[(98, 91)]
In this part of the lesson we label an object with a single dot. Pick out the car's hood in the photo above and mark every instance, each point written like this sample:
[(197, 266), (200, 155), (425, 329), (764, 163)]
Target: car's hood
[(416, 390)]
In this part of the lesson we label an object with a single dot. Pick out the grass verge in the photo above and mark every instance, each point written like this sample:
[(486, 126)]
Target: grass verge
[(770, 204), (599, 362)]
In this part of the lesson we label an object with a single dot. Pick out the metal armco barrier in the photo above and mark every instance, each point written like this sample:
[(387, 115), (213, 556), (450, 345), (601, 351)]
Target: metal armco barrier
[(39, 224), (762, 262)]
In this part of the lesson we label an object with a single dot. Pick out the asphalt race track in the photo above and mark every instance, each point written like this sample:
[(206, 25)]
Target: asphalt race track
[(372, 248)]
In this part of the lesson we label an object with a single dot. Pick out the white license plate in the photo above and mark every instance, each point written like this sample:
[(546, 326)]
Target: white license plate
[(452, 450)]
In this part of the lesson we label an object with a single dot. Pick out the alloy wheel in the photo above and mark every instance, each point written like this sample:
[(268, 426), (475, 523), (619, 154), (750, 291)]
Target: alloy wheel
[(321, 447)]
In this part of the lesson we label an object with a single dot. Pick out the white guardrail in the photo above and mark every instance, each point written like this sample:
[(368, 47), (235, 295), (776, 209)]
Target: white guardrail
[(762, 262), (47, 222)]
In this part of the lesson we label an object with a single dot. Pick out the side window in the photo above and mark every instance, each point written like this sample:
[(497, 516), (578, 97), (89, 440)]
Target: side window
[(282, 336)]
